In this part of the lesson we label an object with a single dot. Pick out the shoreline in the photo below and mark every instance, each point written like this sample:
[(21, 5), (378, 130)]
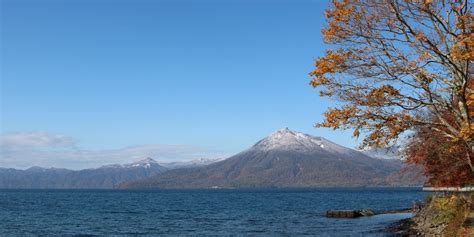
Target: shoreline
[(403, 227), (449, 215)]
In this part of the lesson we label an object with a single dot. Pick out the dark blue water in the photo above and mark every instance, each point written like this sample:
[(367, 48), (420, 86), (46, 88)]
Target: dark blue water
[(199, 212)]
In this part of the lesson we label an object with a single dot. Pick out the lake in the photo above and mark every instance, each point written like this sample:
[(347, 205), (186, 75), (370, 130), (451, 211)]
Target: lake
[(200, 212)]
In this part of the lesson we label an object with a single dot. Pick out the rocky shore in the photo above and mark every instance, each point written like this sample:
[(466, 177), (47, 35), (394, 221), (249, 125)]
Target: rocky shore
[(404, 227), (442, 215), (361, 212)]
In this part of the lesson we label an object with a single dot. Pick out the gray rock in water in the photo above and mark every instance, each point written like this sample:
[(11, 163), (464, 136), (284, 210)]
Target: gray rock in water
[(366, 212), (349, 213)]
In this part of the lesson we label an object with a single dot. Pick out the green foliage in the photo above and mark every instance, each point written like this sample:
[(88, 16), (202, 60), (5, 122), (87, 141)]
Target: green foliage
[(446, 208)]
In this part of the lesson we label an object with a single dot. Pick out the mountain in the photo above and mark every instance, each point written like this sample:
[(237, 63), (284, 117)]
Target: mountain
[(391, 152), (108, 176), (285, 159), (189, 164)]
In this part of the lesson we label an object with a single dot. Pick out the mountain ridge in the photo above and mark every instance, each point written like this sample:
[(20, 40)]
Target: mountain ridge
[(108, 176), (285, 159)]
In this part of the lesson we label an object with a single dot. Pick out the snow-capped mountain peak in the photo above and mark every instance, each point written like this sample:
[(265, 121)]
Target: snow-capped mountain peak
[(286, 139), (147, 163), (147, 160)]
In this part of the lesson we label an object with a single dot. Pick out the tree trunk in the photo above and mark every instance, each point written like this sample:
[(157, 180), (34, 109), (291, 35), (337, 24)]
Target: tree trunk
[(469, 158)]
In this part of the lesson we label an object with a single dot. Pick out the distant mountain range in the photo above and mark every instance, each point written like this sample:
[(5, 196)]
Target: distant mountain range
[(108, 176), (391, 152), (287, 159), (189, 164)]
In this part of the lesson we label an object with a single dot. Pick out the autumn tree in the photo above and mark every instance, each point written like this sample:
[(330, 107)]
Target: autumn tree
[(442, 158), (394, 65)]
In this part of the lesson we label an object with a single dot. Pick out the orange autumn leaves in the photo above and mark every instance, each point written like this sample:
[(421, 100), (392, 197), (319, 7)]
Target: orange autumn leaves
[(331, 63), (340, 15), (462, 49)]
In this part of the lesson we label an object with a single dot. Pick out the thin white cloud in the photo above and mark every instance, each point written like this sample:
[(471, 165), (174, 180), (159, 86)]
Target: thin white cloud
[(26, 149), (35, 139)]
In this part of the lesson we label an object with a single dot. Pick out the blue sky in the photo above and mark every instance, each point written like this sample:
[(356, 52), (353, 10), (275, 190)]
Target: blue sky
[(218, 75)]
